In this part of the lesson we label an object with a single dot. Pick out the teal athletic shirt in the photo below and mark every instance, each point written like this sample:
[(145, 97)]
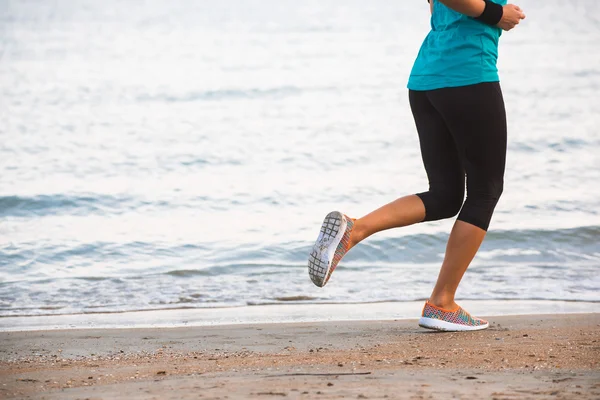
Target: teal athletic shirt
[(458, 51)]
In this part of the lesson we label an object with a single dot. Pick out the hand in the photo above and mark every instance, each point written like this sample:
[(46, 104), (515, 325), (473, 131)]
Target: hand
[(511, 16)]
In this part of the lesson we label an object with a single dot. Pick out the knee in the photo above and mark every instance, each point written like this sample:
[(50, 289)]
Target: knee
[(498, 190), (481, 202), (451, 203), (491, 192), (442, 203)]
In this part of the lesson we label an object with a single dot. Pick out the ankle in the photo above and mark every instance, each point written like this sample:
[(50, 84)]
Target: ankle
[(444, 301), (357, 235)]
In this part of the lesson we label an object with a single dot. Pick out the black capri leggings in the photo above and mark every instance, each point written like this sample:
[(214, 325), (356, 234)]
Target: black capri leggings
[(462, 131)]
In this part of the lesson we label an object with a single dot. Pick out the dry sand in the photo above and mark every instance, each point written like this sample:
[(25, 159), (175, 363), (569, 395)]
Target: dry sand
[(520, 357)]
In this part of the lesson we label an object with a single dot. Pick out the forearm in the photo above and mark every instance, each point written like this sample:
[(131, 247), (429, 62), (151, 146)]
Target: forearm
[(472, 8)]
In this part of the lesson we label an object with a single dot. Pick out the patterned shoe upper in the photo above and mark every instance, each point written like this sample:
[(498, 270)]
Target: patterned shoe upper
[(458, 316), (342, 248)]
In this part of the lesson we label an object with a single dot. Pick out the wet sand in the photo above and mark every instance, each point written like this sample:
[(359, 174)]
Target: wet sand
[(545, 356)]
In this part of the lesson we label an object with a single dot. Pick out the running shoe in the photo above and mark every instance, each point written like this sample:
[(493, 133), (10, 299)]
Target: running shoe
[(332, 244), (437, 318)]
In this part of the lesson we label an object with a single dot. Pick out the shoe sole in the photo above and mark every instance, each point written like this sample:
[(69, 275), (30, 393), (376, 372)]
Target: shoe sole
[(439, 325), (321, 256)]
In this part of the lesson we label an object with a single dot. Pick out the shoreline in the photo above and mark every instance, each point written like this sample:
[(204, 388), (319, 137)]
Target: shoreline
[(281, 313), (526, 356)]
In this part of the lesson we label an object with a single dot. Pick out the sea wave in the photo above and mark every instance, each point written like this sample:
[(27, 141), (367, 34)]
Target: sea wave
[(77, 204), (94, 277), (535, 247)]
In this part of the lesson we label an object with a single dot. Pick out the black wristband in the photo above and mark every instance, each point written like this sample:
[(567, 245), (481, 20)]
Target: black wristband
[(492, 14)]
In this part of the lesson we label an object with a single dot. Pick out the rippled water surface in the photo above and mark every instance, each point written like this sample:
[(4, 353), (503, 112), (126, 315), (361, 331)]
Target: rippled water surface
[(183, 154)]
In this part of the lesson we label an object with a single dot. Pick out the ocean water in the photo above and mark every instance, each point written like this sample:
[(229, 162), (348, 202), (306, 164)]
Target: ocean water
[(182, 154)]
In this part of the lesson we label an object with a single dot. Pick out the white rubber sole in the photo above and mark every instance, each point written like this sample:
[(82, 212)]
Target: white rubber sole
[(321, 256), (439, 325)]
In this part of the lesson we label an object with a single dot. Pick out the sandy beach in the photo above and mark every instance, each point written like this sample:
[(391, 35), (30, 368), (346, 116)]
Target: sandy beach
[(549, 356)]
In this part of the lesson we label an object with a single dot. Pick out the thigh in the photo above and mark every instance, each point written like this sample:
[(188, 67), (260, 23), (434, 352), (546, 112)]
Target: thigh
[(438, 148), (476, 118)]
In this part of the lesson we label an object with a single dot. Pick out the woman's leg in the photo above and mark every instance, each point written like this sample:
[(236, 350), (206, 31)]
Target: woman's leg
[(462, 246), (477, 119), (401, 212), (444, 171), (339, 233)]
